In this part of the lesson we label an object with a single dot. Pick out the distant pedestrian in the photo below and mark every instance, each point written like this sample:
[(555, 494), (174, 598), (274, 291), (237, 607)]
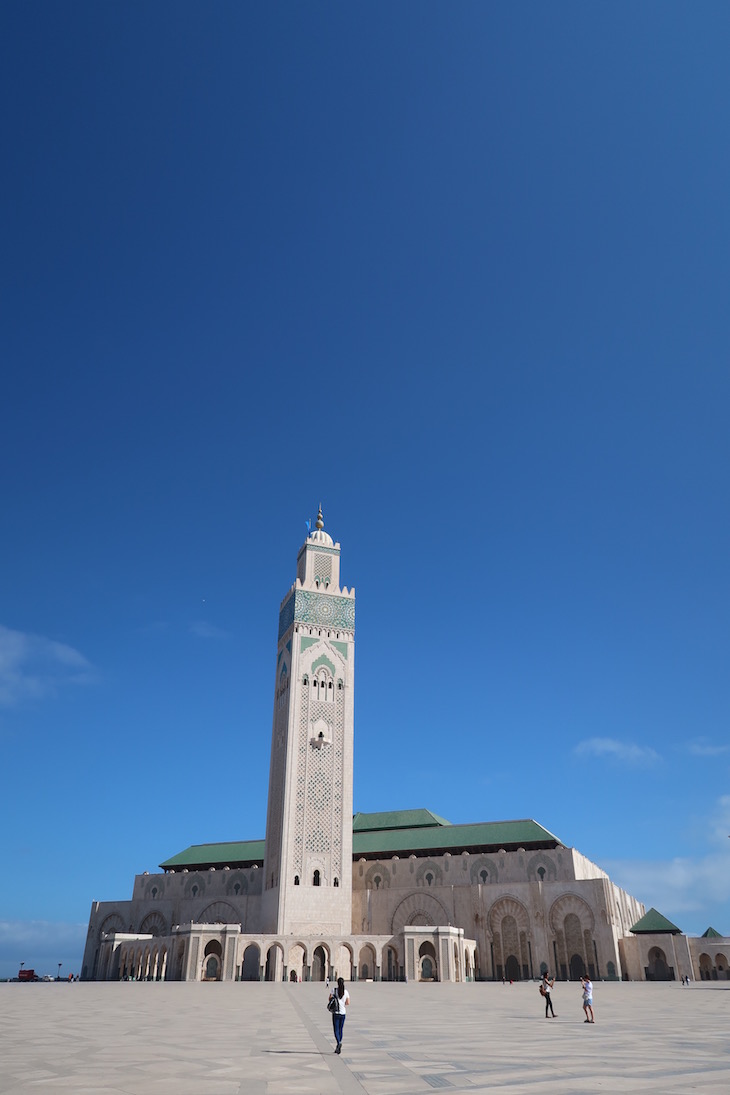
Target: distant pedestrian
[(588, 999), (342, 998), (545, 987)]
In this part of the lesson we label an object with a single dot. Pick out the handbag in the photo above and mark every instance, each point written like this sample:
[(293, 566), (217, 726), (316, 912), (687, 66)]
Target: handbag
[(332, 1005)]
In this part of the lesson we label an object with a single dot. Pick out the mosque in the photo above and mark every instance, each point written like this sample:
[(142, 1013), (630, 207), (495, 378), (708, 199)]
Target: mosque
[(383, 896)]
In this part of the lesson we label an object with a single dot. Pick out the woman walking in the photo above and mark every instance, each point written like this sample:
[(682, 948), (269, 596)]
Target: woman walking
[(342, 998)]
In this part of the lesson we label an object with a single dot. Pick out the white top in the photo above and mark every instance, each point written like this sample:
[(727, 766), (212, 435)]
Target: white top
[(319, 536), (341, 1002)]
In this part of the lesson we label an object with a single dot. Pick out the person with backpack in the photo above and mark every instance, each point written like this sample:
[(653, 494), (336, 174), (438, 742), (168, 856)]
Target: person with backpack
[(338, 1000), (545, 986)]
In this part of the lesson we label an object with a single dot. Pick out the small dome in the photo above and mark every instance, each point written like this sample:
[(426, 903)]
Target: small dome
[(319, 536)]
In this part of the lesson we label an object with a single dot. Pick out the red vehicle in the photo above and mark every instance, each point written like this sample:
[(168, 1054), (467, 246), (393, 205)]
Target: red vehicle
[(27, 975)]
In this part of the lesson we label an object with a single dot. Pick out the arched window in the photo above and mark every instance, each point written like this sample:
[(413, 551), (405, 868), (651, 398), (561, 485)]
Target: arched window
[(237, 888), (337, 882), (315, 880), (296, 879), (194, 891), (541, 872), (483, 875), (429, 879)]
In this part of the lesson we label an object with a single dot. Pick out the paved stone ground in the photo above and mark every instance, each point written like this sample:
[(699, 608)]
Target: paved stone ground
[(266, 1039)]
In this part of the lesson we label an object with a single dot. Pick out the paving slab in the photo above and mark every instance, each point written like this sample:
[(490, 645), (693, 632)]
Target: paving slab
[(276, 1039)]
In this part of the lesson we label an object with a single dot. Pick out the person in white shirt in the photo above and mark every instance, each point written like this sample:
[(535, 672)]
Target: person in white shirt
[(342, 998), (588, 999)]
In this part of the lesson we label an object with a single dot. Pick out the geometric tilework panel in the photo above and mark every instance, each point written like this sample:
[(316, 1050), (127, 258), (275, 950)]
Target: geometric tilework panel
[(301, 781), (318, 831), (286, 616), (318, 609), (322, 568), (323, 609)]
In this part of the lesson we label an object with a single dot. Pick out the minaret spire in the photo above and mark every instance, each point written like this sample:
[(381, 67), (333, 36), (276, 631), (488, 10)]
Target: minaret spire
[(307, 882)]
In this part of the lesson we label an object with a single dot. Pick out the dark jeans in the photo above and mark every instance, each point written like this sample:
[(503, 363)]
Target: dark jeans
[(548, 1004), (338, 1022)]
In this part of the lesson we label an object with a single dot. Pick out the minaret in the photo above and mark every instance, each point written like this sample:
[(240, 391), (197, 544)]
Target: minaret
[(308, 858)]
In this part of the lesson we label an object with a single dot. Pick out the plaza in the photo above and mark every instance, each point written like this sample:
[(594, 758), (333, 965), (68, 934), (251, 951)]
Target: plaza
[(183, 1038)]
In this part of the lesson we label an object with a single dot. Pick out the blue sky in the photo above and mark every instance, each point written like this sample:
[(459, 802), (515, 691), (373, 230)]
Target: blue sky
[(460, 272)]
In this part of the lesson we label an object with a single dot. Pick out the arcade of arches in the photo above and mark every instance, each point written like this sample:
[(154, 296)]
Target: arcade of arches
[(198, 952)]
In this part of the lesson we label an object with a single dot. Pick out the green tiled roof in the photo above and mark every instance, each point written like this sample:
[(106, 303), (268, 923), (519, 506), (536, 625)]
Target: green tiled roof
[(397, 819), (653, 923), (488, 835), (711, 934), (436, 836), (238, 853)]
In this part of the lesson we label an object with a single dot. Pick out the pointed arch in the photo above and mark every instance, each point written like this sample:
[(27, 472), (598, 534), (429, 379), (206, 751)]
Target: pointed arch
[(418, 908), (508, 906), (112, 923), (153, 924), (567, 904), (219, 912)]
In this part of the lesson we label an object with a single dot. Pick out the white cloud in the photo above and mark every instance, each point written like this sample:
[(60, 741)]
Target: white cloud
[(204, 630), (41, 945), (32, 667), (683, 885), (679, 885), (623, 752), (701, 747)]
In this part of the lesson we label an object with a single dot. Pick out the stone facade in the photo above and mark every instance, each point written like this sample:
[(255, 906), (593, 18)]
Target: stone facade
[(499, 900), (665, 957)]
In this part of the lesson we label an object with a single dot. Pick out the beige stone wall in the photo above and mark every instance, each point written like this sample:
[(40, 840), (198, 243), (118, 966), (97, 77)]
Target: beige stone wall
[(538, 907), (710, 958), (657, 957), (161, 901), (699, 958)]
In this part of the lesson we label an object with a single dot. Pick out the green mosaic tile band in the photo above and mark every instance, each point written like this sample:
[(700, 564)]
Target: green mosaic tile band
[(319, 548), (317, 609)]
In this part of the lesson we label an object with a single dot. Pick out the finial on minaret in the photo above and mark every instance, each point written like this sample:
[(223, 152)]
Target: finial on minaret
[(320, 518)]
